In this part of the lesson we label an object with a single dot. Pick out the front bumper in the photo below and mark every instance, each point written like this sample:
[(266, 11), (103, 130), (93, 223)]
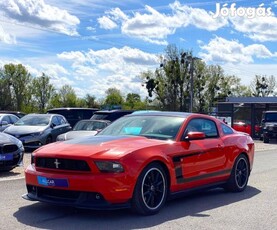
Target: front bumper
[(81, 190), (78, 199)]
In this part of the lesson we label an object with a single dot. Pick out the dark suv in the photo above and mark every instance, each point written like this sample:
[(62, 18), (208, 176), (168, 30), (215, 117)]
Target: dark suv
[(269, 126), (110, 115)]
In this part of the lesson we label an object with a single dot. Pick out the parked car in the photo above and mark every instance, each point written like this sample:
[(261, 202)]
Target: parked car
[(139, 161), (269, 126), (16, 113), (11, 152), (84, 128), (35, 130), (73, 115), (110, 115), (6, 120), (245, 126)]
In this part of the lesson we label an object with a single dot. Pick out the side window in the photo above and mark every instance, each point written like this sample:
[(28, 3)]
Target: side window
[(7, 119), (203, 125), (55, 121), (13, 119), (61, 120), (226, 129)]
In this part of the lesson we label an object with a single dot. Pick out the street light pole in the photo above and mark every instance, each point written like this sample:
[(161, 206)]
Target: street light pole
[(191, 84)]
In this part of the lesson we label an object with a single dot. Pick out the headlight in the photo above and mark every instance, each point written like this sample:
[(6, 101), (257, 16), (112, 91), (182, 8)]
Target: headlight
[(109, 166), (270, 128), (35, 134)]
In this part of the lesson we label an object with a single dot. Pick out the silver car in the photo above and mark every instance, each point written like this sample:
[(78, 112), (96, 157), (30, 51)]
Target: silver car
[(6, 120), (84, 128), (35, 130), (11, 152)]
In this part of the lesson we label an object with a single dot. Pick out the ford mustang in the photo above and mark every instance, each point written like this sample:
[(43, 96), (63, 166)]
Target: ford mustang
[(140, 161)]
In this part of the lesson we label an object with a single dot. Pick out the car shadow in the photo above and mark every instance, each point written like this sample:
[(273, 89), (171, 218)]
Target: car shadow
[(8, 174), (44, 216)]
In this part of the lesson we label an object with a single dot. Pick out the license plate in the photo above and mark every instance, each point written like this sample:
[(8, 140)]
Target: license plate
[(51, 182), (6, 157)]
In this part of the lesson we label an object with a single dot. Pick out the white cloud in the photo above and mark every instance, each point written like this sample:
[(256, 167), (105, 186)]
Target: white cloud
[(106, 23), (115, 67), (37, 13), (220, 50), (154, 27), (6, 37), (247, 72), (258, 29)]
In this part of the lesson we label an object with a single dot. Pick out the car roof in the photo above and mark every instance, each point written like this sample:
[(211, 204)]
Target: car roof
[(90, 120), (114, 111), (2, 114), (162, 113)]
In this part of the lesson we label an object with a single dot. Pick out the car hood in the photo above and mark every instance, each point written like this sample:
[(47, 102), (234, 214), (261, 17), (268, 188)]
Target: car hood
[(7, 139), (24, 129), (271, 123), (75, 134), (104, 147)]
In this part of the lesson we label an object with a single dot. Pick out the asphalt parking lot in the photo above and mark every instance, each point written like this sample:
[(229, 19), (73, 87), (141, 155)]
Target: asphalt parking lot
[(19, 171)]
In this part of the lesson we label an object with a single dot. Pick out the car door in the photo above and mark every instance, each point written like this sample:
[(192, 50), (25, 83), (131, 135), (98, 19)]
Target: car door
[(57, 129), (202, 159)]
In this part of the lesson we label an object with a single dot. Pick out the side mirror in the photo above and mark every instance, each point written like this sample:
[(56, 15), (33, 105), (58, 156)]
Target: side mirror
[(4, 123), (195, 136)]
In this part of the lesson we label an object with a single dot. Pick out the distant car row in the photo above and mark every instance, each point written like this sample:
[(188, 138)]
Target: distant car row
[(35, 130)]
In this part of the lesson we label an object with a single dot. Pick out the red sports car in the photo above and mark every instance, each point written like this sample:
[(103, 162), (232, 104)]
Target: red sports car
[(140, 161)]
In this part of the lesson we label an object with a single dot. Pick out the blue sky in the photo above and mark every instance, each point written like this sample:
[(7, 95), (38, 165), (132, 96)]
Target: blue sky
[(93, 45)]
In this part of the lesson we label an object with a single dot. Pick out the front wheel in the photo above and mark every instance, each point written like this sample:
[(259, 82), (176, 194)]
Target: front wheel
[(239, 176), (151, 190)]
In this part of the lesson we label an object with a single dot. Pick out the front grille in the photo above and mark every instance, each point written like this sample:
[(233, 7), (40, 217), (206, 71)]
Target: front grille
[(62, 164), (8, 149)]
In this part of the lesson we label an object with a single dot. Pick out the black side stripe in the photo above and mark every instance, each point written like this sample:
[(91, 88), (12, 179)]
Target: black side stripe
[(180, 179), (178, 170)]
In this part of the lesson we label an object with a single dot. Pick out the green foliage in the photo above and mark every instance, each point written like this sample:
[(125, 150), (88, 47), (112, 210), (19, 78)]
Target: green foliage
[(263, 86), (17, 82), (42, 92), (114, 97), (171, 83)]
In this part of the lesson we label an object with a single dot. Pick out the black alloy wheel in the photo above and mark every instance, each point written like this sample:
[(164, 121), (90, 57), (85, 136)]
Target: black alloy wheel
[(151, 190), (239, 176)]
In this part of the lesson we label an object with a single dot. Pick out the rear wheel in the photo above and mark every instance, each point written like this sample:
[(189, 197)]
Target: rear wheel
[(266, 139), (151, 190), (239, 176)]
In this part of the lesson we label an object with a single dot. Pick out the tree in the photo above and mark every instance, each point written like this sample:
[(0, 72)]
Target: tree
[(170, 82), (113, 98), (42, 91), (68, 97), (91, 101), (18, 79), (5, 93), (263, 86), (132, 100), (181, 75)]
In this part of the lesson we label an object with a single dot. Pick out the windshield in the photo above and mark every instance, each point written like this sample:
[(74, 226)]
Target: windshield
[(270, 117), (157, 127), (89, 125), (33, 120)]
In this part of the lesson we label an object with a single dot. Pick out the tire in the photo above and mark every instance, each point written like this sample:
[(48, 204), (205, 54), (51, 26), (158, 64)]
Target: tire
[(239, 176), (151, 190), (266, 140)]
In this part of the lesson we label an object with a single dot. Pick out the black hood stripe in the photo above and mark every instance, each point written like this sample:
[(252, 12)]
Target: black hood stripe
[(95, 140)]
